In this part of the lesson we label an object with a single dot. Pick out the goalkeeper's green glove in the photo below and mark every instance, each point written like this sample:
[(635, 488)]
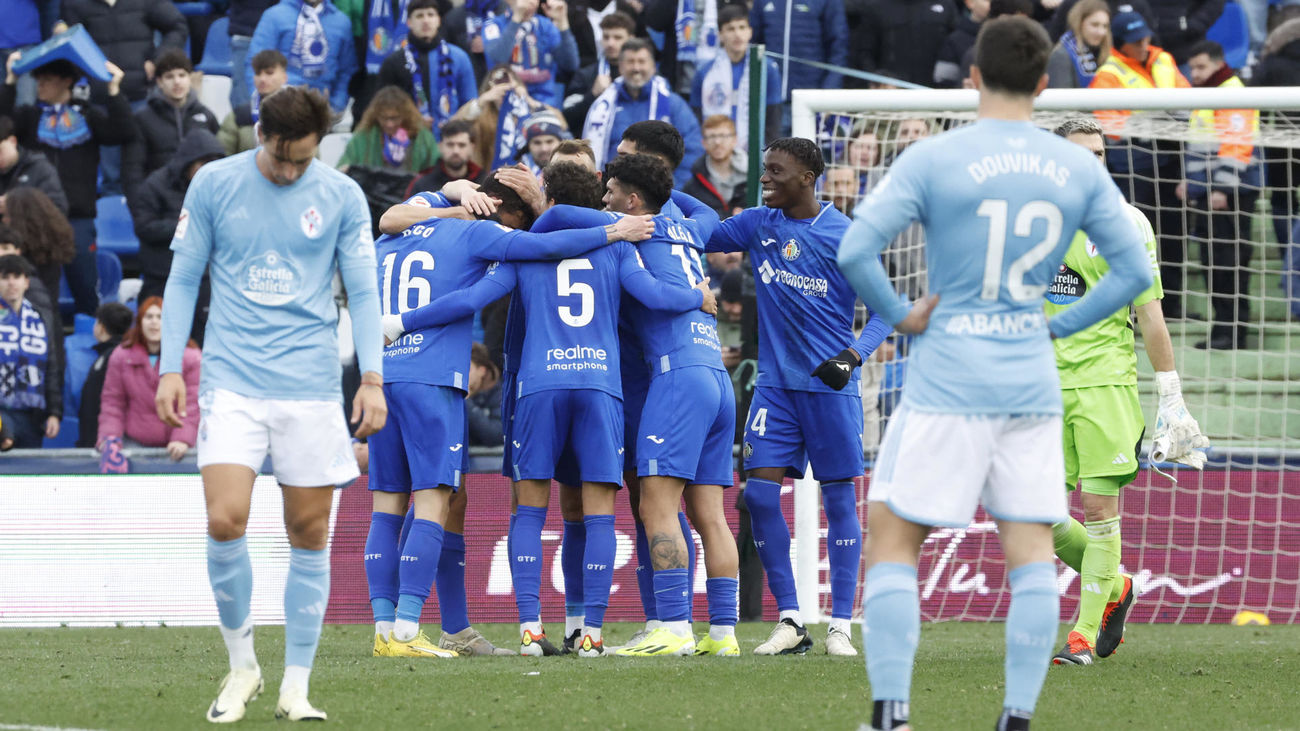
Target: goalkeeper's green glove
[(1177, 435)]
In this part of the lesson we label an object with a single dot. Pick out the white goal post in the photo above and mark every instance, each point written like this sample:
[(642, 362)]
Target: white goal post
[(1216, 543)]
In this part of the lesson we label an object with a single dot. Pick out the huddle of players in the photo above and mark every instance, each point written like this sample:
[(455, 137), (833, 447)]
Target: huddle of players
[(613, 370)]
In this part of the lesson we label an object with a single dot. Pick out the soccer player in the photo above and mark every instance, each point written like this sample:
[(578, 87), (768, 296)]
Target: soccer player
[(1103, 424), (801, 410), (272, 226), (980, 418), (421, 456)]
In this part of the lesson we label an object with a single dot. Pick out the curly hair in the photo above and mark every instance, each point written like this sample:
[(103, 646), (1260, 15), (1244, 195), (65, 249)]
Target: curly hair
[(572, 184), (392, 99), (647, 175), (45, 233)]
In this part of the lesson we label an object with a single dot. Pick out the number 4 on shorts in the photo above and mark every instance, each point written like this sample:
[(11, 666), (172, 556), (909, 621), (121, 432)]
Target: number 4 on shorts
[(759, 424)]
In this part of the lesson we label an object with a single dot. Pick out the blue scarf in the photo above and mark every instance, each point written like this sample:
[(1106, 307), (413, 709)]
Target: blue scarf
[(311, 47), (24, 351), (385, 29), (1085, 63), (600, 118), (255, 105), (510, 130), (445, 101), (395, 147), (62, 126), (477, 13)]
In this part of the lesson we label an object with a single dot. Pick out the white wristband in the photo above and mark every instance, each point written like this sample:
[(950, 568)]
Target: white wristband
[(1168, 384)]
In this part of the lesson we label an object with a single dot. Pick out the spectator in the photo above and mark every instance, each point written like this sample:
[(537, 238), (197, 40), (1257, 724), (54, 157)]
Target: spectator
[(1280, 66), (721, 86), (636, 96), (1224, 178), (1083, 48), (270, 73), (719, 179), (1181, 24), (437, 75), (43, 233), (31, 363), (948, 71), (21, 30), (1060, 22), (244, 16), (112, 320), (22, 167), (454, 163), (316, 37), (997, 9), (841, 187), (391, 135), (157, 208), (463, 28), (172, 110), (498, 114), (126, 407), (70, 132), (690, 32), (11, 245), (1147, 173), (544, 133), (483, 402), (125, 32), (591, 81), (906, 36), (387, 24), (818, 32), (863, 156), (537, 48)]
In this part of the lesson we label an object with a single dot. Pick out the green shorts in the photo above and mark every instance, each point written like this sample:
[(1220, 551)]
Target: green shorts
[(1102, 433)]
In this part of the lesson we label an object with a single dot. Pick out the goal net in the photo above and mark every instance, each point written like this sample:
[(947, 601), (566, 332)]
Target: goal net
[(1217, 542)]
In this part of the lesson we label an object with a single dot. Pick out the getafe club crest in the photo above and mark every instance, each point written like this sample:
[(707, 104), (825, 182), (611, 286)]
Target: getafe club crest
[(312, 223), (790, 250)]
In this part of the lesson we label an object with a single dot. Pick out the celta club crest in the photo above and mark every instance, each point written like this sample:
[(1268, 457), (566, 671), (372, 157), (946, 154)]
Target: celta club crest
[(790, 250), (311, 222)]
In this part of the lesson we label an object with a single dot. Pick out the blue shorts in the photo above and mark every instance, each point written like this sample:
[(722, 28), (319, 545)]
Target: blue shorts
[(789, 429), (636, 384), (549, 423), (688, 427), (508, 401), (423, 445)]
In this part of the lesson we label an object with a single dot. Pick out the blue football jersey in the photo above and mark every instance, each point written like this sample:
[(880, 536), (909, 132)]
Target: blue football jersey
[(805, 305), (1000, 202)]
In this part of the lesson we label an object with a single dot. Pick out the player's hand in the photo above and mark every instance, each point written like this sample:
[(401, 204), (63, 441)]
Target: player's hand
[(176, 450), (393, 328), (710, 299), (369, 410), (918, 318), (522, 181), (838, 371), (1177, 435), (479, 203), (170, 399), (630, 228)]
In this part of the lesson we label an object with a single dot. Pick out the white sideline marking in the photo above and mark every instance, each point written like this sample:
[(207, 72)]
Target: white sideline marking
[(25, 727)]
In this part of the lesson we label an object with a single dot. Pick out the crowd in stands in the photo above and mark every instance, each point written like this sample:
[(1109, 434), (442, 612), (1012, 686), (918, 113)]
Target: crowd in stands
[(433, 91)]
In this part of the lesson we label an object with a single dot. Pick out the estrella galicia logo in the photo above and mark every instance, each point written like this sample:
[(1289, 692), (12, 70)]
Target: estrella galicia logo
[(790, 250), (1067, 287)]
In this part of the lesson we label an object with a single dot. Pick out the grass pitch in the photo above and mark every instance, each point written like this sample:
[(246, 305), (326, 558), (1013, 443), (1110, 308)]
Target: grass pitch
[(1164, 677)]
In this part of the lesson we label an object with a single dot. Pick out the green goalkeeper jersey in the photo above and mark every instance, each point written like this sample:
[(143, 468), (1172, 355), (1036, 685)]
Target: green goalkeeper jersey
[(1102, 355)]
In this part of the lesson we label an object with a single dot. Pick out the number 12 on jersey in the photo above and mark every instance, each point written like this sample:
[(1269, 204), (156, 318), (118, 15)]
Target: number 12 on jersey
[(997, 211)]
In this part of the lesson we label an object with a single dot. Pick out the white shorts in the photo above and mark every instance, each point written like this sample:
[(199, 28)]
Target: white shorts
[(935, 469), (308, 441)]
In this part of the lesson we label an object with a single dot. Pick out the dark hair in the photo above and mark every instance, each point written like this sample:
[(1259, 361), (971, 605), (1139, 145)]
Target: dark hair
[(478, 352), (1209, 48), (415, 5), (653, 137), (115, 318), (999, 8), (46, 235), (646, 175), (510, 200), (568, 183), (1011, 54), (6, 127), (637, 44), (293, 112), (395, 100), (269, 59), (731, 13), (62, 68), (14, 264), (803, 150), (457, 127), (170, 59), (618, 19), (10, 236)]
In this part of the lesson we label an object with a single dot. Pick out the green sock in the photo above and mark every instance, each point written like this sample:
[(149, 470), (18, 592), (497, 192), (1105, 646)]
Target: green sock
[(1071, 539), (1100, 572)]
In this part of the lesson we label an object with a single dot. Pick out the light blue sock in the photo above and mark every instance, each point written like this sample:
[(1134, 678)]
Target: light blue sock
[(690, 566), (420, 556), (230, 573), (306, 594), (891, 629), (645, 574), (453, 605), (572, 546), (527, 560), (598, 567), (724, 600), (672, 597), (772, 539), (381, 562), (843, 545), (1032, 621)]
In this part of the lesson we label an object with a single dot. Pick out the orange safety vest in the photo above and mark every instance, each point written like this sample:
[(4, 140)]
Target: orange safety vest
[(1121, 72), (1233, 131)]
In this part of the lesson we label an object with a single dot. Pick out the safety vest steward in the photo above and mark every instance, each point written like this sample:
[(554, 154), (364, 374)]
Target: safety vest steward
[(1121, 72), (1233, 131)]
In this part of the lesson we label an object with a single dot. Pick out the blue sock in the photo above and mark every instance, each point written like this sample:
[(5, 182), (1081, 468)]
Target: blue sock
[(406, 527), (645, 574), (453, 607), (772, 539), (419, 566), (724, 600), (510, 547), (1032, 621), (843, 545), (672, 595), (690, 567), (230, 572), (381, 564), (572, 547), (598, 567), (306, 594), (891, 628), (527, 560)]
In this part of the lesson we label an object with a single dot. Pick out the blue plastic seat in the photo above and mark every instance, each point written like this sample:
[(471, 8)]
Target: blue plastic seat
[(216, 50), (197, 9), (110, 275), (1233, 33), (114, 229)]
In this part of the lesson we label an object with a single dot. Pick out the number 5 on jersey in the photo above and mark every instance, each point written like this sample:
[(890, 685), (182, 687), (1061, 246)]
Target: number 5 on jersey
[(583, 291)]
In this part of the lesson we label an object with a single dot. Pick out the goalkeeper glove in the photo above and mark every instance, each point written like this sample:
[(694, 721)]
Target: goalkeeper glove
[(393, 328), (836, 372), (1177, 435)]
